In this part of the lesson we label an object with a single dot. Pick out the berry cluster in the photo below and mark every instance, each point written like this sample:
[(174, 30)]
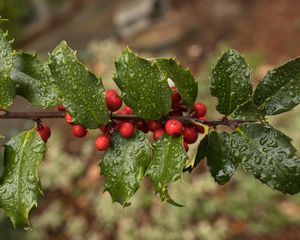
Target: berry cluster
[(172, 125)]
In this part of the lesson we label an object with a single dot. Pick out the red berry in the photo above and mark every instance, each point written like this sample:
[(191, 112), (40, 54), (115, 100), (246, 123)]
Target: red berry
[(141, 125), (44, 132), (127, 110), (126, 129), (102, 143), (173, 127), (113, 100), (200, 109), (190, 134), (68, 118), (199, 128), (61, 108), (154, 125), (158, 133), (185, 146), (103, 129), (79, 131), (176, 99)]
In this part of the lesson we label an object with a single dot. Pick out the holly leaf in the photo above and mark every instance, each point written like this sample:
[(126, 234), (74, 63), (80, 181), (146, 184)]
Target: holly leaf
[(81, 92), (269, 155), (145, 89), (248, 111), (7, 88), (20, 185), (183, 79), (34, 80), (279, 91), (168, 161), (220, 159), (230, 82), (124, 166)]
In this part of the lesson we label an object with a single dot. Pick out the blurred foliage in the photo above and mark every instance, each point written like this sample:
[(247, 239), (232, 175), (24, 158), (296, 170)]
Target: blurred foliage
[(74, 206)]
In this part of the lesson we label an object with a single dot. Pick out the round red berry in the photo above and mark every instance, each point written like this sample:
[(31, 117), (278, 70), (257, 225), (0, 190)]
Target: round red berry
[(141, 125), (185, 146), (173, 127), (199, 128), (79, 131), (44, 132), (113, 100), (200, 109), (68, 118), (158, 133), (61, 108), (154, 125), (102, 143), (126, 129), (190, 134)]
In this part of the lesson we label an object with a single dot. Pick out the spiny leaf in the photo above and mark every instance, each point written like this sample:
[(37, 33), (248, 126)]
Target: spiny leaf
[(124, 166), (34, 80), (145, 89), (220, 160), (20, 186), (7, 88), (167, 164), (230, 82), (81, 92), (269, 155), (279, 91), (183, 79)]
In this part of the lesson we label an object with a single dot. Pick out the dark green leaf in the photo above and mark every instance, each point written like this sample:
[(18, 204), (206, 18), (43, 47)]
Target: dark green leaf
[(220, 159), (183, 79), (82, 93), (20, 186), (34, 80), (7, 88), (124, 166), (167, 164), (248, 111), (230, 82), (199, 155), (279, 91), (145, 89), (269, 155)]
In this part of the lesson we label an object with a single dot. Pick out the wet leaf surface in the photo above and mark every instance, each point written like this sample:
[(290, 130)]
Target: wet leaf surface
[(144, 87), (230, 82), (279, 91), (124, 166), (20, 185), (81, 92)]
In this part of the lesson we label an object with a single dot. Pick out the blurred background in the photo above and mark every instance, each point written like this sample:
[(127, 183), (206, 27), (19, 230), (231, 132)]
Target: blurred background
[(267, 32)]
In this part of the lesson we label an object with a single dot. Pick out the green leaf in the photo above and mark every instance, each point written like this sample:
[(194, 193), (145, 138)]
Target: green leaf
[(20, 186), (7, 88), (34, 80), (220, 159), (248, 111), (145, 89), (124, 166), (167, 164), (183, 79), (279, 91), (230, 82), (199, 155), (81, 92), (269, 155)]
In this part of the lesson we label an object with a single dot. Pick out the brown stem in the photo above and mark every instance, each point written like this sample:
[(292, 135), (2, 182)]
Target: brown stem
[(186, 119)]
